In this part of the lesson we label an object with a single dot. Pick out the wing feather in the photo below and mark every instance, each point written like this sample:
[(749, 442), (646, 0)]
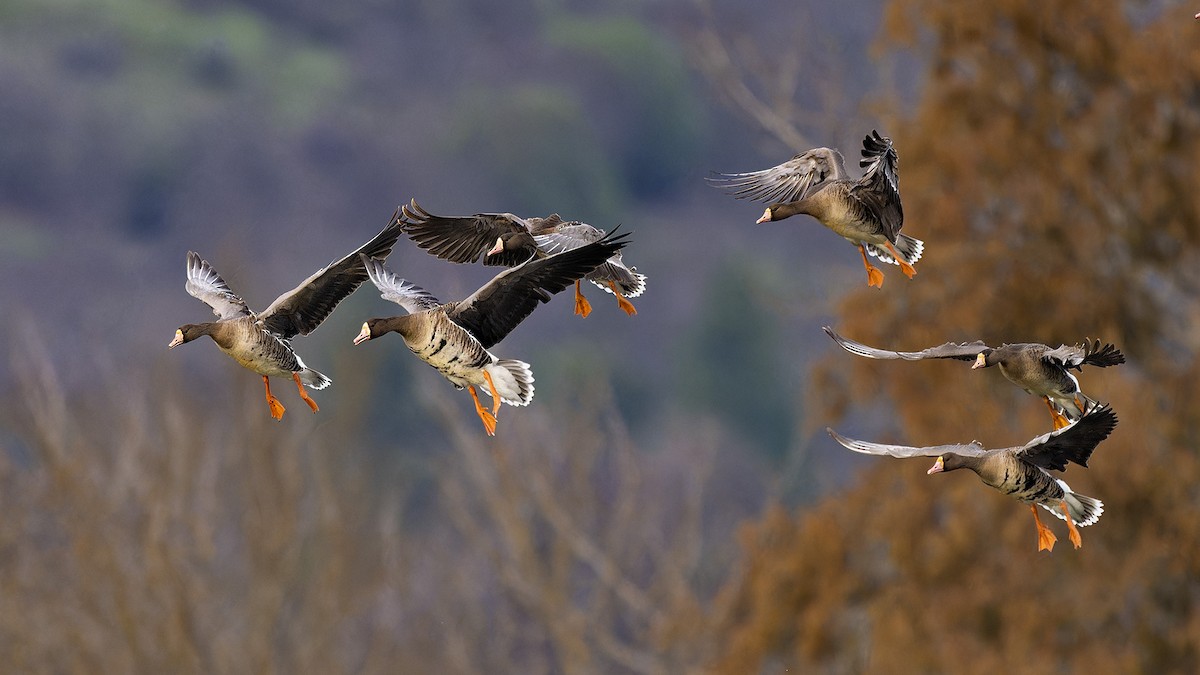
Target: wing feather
[(963, 351), (902, 451), (494, 310), (787, 182), (302, 309), (460, 239), (205, 284), (408, 295)]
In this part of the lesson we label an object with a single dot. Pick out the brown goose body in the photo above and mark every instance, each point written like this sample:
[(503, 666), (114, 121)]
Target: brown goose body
[(1022, 472), (831, 203), (254, 348), (446, 346), (866, 211)]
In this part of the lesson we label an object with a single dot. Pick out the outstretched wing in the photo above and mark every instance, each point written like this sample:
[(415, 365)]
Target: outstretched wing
[(205, 284), (410, 296), (969, 449), (1091, 353), (302, 309), (567, 236), (963, 351), (879, 188), (500, 305), (787, 182), (462, 239), (1074, 443)]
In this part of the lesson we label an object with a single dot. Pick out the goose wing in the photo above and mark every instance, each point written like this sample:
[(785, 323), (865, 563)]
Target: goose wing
[(963, 351), (408, 295), (205, 284), (567, 236), (879, 188), (1073, 443), (787, 182), (968, 449), (302, 309), (461, 239), (501, 304), (1091, 353)]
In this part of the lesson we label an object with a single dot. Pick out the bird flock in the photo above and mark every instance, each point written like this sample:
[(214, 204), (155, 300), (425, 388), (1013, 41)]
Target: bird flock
[(545, 256)]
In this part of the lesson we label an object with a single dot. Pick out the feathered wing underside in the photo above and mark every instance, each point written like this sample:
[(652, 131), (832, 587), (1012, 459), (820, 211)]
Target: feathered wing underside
[(500, 305), (460, 239), (204, 284), (788, 182), (963, 351), (878, 191), (902, 451), (1074, 443), (567, 236), (410, 296), (1091, 353), (302, 309)]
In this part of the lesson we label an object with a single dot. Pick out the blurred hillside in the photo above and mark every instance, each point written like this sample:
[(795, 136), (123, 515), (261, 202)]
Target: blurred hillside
[(669, 503)]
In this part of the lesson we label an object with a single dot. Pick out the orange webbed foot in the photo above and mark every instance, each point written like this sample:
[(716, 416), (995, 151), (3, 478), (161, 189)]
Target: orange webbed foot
[(1046, 538), (874, 276), (622, 302), (582, 306), (273, 403), (489, 420), (304, 394), (1073, 532), (909, 270), (1060, 420)]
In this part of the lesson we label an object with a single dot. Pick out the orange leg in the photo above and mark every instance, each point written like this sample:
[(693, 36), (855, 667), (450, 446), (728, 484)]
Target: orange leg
[(1074, 532), (874, 276), (489, 420), (276, 407), (304, 394), (582, 306), (909, 270), (1046, 538), (1060, 420), (621, 301), (495, 394)]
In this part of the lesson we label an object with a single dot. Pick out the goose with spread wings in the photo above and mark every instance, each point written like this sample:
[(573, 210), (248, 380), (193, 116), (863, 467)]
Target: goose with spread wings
[(866, 211), (262, 342), (1036, 368), (508, 240), (455, 337), (1024, 471)]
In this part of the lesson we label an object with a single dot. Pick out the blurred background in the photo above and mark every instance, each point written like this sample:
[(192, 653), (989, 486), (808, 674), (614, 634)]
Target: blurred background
[(670, 502)]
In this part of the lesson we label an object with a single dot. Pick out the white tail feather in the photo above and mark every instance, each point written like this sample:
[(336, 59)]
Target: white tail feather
[(314, 379), (1084, 510), (513, 379), (908, 247)]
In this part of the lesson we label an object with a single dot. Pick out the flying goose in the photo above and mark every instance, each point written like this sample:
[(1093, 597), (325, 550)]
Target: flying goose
[(507, 239), (866, 211), (454, 337), (261, 342), (1036, 368), (1023, 471)]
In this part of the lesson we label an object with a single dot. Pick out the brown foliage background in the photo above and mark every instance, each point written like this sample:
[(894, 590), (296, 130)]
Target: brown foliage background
[(1050, 165)]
